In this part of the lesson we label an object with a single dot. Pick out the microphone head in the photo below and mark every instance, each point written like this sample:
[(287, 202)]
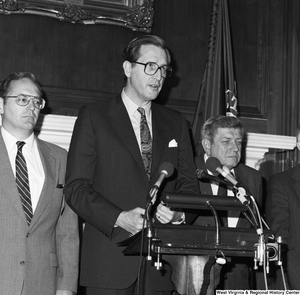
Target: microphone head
[(212, 164), (166, 168)]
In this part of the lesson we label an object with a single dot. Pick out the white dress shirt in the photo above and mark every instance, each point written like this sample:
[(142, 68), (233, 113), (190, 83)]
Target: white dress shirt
[(135, 116), (232, 221), (31, 154)]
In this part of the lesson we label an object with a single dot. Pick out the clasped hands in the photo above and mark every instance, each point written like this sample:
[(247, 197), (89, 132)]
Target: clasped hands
[(133, 220)]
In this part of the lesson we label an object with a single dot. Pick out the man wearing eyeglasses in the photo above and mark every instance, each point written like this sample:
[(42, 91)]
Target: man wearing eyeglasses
[(114, 159), (39, 232)]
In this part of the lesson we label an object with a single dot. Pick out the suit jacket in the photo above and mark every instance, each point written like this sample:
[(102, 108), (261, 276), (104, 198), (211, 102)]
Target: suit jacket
[(106, 176), (43, 257), (282, 215), (248, 177)]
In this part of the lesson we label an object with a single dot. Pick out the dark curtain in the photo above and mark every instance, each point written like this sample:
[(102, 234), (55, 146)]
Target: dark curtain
[(218, 90)]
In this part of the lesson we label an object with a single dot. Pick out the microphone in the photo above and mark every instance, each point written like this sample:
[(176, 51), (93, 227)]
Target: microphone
[(213, 164), (201, 174), (166, 170)]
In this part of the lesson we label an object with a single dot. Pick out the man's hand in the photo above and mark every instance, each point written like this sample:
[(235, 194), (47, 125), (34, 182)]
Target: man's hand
[(131, 221), (165, 215), (65, 292)]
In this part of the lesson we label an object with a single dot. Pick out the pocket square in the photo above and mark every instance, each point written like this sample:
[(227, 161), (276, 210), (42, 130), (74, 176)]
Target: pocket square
[(173, 143)]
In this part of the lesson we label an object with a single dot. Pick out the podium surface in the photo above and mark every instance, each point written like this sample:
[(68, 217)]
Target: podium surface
[(194, 240)]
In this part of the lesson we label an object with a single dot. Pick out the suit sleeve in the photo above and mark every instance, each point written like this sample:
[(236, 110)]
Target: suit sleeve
[(88, 203), (279, 205), (186, 181), (67, 240)]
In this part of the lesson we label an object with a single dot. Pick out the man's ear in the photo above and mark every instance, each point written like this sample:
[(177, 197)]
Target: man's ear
[(127, 66), (1, 105), (206, 146)]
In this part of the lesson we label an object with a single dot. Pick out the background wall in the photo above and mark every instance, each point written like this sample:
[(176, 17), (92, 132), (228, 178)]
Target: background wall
[(78, 64)]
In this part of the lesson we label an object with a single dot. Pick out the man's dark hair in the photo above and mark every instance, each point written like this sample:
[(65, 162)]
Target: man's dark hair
[(5, 85), (133, 50), (212, 124)]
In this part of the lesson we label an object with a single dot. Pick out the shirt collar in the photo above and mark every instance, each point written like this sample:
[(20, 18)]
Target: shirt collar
[(132, 107), (10, 140)]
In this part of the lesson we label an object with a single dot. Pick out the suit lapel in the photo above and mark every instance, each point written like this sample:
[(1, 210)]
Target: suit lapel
[(49, 164), (123, 127), (242, 178), (205, 186), (7, 180), (161, 132), (296, 177)]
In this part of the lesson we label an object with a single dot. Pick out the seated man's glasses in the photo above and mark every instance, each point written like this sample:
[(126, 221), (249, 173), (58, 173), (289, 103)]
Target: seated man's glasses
[(151, 68), (24, 99)]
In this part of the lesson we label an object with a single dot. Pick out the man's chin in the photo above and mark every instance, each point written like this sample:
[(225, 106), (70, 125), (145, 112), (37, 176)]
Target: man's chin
[(231, 164), (29, 124)]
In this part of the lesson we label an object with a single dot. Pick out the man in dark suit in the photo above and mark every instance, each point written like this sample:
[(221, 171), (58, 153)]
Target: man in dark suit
[(222, 138), (39, 232), (282, 215), (110, 171)]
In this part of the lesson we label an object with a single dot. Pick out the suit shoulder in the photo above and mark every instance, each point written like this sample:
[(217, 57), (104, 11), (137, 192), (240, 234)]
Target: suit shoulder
[(166, 110), (249, 170), (284, 175), (100, 105), (168, 116), (53, 147)]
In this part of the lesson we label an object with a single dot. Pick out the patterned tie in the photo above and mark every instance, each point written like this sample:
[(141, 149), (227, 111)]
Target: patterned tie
[(146, 142), (23, 182)]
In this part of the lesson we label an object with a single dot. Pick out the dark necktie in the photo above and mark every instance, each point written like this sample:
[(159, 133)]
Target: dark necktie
[(23, 182), (222, 191), (146, 142)]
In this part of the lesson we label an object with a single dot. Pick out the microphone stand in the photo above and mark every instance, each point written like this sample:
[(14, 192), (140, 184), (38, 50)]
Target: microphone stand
[(149, 230), (218, 236), (152, 198), (267, 251)]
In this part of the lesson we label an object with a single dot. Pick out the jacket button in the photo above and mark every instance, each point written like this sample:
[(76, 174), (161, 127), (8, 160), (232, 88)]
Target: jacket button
[(22, 263)]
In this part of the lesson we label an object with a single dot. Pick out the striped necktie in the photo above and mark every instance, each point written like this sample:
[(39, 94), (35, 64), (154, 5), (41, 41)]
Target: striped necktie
[(23, 182), (146, 142)]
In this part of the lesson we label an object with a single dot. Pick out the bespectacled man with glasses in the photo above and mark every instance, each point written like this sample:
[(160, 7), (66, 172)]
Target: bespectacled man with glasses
[(116, 151), (39, 232)]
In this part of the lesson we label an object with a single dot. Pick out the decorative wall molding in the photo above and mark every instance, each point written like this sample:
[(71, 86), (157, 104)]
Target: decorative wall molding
[(58, 129), (135, 14), (258, 144)]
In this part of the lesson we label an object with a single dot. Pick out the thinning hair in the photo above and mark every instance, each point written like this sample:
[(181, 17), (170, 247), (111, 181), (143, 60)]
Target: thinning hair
[(6, 83), (212, 124), (132, 51)]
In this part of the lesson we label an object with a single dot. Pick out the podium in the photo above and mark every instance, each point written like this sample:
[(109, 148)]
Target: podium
[(193, 249), (193, 240)]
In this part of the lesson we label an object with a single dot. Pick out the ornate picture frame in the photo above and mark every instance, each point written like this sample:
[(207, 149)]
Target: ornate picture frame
[(134, 14)]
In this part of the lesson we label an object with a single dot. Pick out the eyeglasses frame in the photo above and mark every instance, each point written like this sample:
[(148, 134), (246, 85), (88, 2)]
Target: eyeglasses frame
[(32, 97), (158, 68)]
